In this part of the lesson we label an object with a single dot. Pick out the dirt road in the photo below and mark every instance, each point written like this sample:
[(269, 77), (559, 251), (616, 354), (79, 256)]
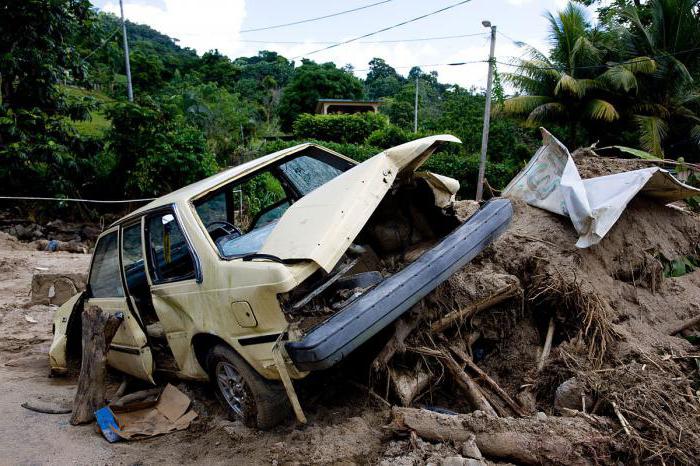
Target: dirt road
[(338, 431)]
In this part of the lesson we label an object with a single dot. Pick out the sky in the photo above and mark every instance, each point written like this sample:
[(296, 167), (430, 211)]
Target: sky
[(217, 24)]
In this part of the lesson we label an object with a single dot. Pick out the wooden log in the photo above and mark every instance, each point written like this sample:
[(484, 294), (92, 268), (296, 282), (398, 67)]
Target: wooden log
[(99, 328), (531, 440), (468, 386), (547, 344), (402, 329), (508, 291), (685, 325), (134, 397), (517, 409)]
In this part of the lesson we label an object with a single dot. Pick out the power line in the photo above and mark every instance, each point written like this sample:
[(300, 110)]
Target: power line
[(631, 61), (384, 29), (418, 39), (432, 65), (266, 28), (104, 42)]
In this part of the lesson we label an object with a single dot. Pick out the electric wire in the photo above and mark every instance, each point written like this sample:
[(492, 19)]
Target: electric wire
[(309, 20), (419, 39), (369, 34), (104, 42)]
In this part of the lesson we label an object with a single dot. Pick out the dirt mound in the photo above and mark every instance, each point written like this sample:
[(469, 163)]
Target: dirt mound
[(603, 317), (11, 243)]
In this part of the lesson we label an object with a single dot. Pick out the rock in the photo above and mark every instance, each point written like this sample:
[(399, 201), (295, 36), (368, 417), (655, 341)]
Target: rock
[(527, 400), (540, 415), (56, 288), (460, 461), (470, 450), (568, 395)]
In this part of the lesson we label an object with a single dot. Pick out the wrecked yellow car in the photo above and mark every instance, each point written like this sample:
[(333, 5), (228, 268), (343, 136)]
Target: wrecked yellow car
[(274, 268)]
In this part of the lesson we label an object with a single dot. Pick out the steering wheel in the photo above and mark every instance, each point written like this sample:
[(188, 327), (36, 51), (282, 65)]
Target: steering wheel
[(226, 227)]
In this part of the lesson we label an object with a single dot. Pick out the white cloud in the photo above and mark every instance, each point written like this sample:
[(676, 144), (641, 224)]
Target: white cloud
[(202, 24)]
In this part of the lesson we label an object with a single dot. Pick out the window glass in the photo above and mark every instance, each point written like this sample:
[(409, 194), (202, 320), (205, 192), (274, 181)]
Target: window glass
[(308, 173), (259, 194), (213, 209), (169, 251), (105, 280), (132, 257)]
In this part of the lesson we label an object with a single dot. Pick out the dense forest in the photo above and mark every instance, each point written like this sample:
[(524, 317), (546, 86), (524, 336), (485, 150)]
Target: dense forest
[(67, 129)]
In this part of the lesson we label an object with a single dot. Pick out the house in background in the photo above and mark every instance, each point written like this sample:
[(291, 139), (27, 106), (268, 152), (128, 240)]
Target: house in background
[(348, 106)]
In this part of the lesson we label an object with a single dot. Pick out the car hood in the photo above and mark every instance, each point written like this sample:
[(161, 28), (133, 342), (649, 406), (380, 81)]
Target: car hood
[(321, 226)]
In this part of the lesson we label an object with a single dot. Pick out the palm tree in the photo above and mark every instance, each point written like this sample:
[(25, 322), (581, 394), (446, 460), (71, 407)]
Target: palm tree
[(574, 87), (666, 110)]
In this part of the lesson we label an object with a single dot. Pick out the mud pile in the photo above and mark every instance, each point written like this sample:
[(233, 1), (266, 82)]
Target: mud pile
[(619, 377)]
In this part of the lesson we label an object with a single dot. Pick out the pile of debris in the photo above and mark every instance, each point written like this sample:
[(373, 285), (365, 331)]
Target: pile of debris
[(560, 355)]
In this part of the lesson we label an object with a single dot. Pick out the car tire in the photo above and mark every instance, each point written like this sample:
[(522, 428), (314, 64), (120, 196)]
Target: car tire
[(244, 393)]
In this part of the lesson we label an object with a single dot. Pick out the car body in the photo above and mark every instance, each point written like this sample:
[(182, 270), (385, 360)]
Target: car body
[(254, 258)]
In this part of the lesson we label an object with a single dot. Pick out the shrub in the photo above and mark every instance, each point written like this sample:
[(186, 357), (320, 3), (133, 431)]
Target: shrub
[(390, 136), (339, 128)]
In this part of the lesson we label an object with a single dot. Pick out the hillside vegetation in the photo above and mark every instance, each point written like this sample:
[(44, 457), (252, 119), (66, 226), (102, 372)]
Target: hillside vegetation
[(66, 128)]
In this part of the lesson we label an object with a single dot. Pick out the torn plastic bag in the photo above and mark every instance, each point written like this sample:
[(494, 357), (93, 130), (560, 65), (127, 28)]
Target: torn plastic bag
[(552, 182)]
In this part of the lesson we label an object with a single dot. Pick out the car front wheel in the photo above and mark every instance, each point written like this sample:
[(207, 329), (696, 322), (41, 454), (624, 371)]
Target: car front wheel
[(244, 393)]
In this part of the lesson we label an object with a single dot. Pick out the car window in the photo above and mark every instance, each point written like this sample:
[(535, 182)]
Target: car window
[(105, 279), (132, 257), (168, 248), (214, 209), (259, 194), (308, 173)]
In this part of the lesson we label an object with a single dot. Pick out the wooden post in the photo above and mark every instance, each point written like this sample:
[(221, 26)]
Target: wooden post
[(547, 344), (99, 328)]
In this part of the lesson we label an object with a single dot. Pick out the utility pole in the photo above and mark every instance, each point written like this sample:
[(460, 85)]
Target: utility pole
[(415, 109), (487, 113), (129, 89)]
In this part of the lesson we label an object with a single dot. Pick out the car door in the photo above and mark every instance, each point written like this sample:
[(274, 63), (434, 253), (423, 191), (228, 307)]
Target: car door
[(173, 272), (128, 351)]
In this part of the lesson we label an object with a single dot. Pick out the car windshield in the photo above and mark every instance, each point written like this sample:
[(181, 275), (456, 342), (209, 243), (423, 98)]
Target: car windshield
[(241, 215)]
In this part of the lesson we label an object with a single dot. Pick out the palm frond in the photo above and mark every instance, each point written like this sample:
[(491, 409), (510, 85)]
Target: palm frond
[(584, 52), (651, 109), (695, 134), (599, 109), (619, 78), (639, 65), (525, 84), (586, 85), (524, 104), (568, 85), (652, 131), (543, 112)]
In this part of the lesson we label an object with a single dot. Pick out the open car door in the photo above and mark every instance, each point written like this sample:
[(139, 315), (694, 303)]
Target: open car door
[(129, 351)]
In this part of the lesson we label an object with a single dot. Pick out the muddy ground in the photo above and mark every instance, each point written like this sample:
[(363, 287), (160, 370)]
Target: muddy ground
[(343, 427)]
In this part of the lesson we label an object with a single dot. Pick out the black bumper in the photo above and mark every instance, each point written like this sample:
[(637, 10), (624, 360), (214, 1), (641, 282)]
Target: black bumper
[(343, 332)]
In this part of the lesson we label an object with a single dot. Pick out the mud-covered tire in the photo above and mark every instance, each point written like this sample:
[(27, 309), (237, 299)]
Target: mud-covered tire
[(261, 403)]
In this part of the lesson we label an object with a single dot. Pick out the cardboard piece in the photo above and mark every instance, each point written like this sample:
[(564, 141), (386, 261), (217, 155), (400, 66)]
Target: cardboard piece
[(169, 414)]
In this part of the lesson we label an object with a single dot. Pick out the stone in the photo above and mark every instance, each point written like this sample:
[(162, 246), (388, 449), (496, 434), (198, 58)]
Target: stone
[(470, 450), (568, 395)]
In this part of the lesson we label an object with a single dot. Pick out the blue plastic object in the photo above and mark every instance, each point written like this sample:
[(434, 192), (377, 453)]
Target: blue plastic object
[(108, 424)]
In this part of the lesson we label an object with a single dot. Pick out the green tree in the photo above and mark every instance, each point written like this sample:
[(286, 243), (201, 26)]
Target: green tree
[(667, 107), (567, 88), (311, 82), (382, 80), (155, 151), (219, 114), (37, 141)]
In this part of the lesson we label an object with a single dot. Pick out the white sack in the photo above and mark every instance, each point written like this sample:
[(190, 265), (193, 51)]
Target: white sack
[(552, 182)]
